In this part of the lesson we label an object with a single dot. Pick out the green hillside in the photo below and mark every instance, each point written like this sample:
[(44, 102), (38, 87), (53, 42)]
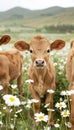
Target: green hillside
[(38, 18)]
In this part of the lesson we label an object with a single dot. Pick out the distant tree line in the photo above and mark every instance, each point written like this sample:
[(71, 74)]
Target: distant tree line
[(57, 29)]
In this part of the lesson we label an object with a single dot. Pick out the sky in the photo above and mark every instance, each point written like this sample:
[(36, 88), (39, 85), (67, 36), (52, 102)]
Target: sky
[(34, 4)]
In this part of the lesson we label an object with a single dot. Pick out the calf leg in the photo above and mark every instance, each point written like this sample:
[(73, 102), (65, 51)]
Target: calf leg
[(49, 100), (5, 83), (20, 85), (71, 87), (35, 96), (6, 88), (72, 112)]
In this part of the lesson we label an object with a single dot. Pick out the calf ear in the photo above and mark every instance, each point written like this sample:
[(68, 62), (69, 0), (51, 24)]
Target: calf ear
[(72, 44), (21, 45), (58, 44), (4, 39)]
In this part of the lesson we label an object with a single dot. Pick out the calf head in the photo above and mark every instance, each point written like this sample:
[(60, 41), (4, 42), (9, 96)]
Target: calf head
[(4, 39), (39, 49)]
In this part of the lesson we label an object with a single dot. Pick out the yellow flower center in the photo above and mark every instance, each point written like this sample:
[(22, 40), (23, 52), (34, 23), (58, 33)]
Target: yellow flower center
[(41, 117), (60, 105), (65, 113), (12, 99)]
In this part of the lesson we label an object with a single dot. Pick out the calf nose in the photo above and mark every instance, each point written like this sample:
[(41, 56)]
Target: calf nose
[(39, 62)]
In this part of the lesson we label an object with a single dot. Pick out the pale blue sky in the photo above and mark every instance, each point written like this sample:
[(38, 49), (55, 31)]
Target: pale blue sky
[(34, 4)]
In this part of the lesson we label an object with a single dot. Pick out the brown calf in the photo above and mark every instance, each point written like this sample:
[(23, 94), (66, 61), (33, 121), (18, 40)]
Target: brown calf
[(70, 77), (10, 67), (42, 70)]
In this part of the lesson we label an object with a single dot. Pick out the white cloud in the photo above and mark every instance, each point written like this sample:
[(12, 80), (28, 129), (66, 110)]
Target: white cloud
[(34, 4)]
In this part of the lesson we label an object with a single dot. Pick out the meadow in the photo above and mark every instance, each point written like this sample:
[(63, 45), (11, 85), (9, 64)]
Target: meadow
[(20, 115)]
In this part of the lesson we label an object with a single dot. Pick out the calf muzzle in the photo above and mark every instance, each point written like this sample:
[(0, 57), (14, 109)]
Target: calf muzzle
[(39, 63)]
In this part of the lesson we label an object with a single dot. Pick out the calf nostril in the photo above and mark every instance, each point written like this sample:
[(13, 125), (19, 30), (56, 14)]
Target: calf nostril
[(43, 62), (36, 62)]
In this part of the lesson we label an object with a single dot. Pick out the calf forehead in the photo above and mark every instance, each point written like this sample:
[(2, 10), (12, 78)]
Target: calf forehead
[(39, 43)]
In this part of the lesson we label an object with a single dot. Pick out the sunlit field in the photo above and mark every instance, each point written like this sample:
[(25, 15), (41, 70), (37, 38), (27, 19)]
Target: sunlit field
[(18, 114)]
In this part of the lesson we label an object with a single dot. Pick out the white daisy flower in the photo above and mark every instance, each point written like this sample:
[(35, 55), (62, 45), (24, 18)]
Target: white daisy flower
[(68, 124), (4, 108), (28, 106), (56, 125), (13, 86), (55, 64), (72, 91), (47, 127), (23, 103), (1, 87), (63, 93), (47, 105), (52, 110), (1, 123), (0, 112), (29, 81), (67, 93), (15, 116), (61, 105), (65, 113), (50, 91), (29, 101), (34, 100), (11, 100), (41, 117), (12, 126)]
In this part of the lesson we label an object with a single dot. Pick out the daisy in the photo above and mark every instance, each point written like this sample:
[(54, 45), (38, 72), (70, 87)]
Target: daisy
[(29, 81), (47, 105), (63, 93), (12, 126), (1, 123), (72, 91), (65, 113), (13, 86), (52, 110), (34, 100), (68, 124), (67, 93), (11, 100), (50, 91), (1, 87), (61, 105), (56, 125), (41, 117)]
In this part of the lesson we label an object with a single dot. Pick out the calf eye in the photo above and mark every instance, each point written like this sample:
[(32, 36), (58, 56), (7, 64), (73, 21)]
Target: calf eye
[(31, 51), (48, 50)]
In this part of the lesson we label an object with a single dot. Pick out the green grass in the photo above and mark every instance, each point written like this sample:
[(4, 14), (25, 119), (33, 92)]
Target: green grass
[(24, 119)]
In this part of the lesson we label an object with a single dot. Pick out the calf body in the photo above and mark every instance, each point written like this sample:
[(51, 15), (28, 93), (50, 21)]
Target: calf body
[(70, 77), (41, 70), (10, 68)]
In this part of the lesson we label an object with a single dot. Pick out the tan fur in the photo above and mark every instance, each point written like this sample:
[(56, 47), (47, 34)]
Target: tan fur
[(43, 74), (10, 67), (70, 77)]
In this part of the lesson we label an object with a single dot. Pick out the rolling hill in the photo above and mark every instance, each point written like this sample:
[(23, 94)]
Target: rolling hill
[(38, 18)]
